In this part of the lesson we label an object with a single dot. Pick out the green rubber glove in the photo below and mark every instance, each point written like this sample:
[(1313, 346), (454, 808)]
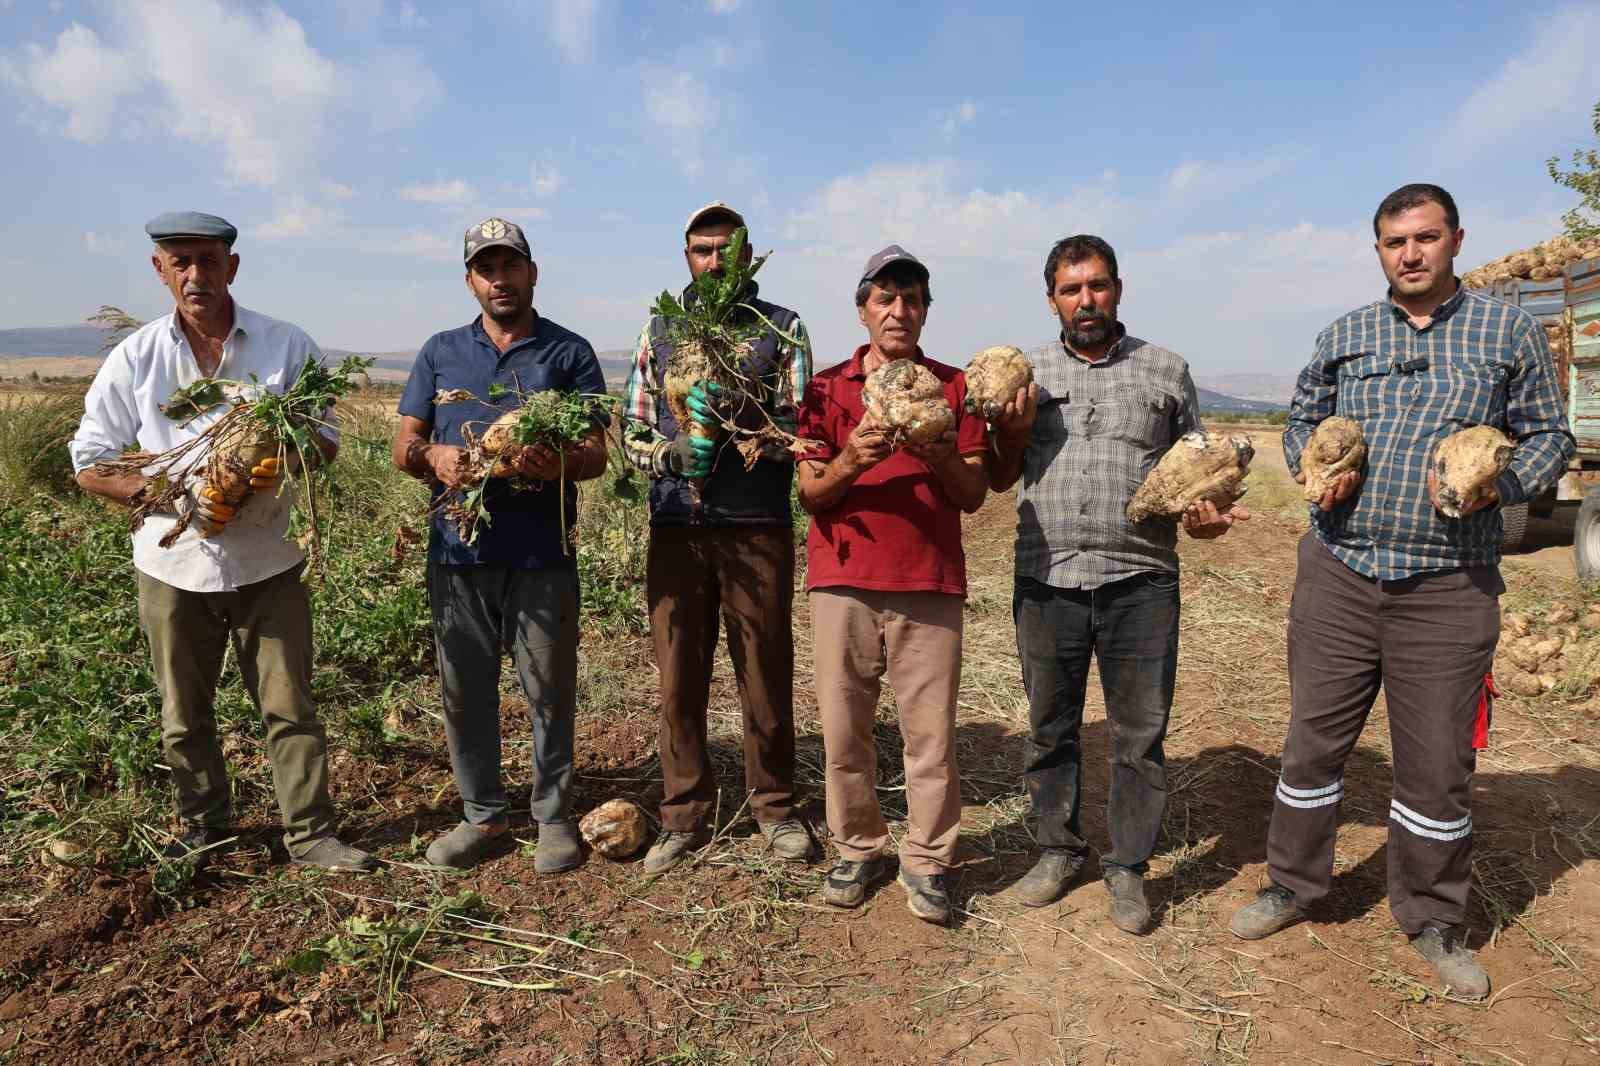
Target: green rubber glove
[(692, 456), (705, 402)]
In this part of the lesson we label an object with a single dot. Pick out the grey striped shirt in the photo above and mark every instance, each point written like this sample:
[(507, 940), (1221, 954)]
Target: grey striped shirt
[(1101, 427)]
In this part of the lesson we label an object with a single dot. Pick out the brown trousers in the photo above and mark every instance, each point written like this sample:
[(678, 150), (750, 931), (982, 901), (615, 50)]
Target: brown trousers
[(747, 574), (914, 637), (269, 623), (1429, 642)]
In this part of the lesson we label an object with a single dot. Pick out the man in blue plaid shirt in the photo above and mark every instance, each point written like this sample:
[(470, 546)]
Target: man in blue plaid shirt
[(1392, 592)]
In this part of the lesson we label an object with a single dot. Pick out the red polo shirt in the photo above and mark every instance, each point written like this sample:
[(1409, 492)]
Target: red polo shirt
[(895, 530)]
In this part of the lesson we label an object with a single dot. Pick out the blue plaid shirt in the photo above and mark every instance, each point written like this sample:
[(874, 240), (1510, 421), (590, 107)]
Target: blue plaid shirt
[(1479, 362)]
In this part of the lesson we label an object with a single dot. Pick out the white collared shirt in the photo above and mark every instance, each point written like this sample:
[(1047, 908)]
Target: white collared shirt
[(123, 409)]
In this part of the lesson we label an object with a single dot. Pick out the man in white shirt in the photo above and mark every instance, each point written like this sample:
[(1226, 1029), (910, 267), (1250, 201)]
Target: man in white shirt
[(231, 574)]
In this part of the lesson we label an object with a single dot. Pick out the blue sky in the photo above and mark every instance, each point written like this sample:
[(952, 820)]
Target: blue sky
[(1232, 155)]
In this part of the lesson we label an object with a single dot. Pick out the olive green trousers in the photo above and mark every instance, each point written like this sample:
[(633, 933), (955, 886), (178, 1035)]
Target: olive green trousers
[(269, 623)]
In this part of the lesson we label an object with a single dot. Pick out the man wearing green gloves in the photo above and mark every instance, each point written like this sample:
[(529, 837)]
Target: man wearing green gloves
[(731, 550)]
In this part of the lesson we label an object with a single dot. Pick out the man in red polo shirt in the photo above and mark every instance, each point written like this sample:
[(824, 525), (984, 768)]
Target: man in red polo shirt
[(887, 577)]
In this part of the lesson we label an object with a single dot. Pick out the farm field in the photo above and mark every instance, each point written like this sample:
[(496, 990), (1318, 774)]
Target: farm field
[(107, 955)]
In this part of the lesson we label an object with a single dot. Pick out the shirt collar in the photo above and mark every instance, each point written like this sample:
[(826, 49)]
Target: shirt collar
[(240, 324), (1440, 313), (481, 335), (1111, 353), (855, 370)]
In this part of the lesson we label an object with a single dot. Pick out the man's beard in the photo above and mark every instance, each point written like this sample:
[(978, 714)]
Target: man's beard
[(1090, 328), (507, 318)]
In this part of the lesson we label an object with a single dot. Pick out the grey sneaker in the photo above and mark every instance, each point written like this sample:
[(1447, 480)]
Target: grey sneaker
[(558, 848), (1049, 878), (466, 845), (1458, 971), (671, 847), (790, 839), (1129, 911), (1272, 909), (848, 881), (330, 854), (926, 896)]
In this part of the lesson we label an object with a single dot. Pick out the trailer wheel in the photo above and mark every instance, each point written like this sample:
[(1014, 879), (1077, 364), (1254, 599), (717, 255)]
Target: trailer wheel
[(1513, 526), (1586, 539)]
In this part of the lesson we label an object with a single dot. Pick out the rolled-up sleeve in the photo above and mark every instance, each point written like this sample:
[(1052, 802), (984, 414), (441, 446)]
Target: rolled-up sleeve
[(1316, 396), (110, 422), (1536, 420)]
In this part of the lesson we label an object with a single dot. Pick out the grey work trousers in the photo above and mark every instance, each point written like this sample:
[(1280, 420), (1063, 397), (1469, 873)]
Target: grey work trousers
[(269, 623), (477, 612), (1429, 642)]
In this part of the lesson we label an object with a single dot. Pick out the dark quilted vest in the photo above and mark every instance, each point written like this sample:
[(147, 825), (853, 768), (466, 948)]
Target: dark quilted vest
[(731, 494)]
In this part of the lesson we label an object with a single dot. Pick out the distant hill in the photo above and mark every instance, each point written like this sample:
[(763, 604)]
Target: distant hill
[(35, 341), (1216, 401)]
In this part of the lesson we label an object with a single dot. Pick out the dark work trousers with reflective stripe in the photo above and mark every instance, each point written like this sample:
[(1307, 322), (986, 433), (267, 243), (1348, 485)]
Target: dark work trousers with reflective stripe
[(1429, 642)]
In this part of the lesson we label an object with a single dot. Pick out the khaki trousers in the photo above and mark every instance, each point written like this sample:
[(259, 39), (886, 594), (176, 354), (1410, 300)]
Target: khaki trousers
[(269, 623), (914, 637)]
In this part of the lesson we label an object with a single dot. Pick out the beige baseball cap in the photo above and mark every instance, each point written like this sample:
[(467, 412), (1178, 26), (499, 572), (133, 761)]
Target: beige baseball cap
[(716, 209)]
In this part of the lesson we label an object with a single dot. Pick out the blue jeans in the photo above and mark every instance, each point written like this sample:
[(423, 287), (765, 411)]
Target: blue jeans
[(1131, 627), (533, 614)]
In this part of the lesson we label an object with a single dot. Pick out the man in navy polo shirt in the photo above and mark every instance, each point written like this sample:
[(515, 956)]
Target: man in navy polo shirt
[(516, 586)]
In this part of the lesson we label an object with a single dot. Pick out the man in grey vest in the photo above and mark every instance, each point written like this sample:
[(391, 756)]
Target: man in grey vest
[(733, 551)]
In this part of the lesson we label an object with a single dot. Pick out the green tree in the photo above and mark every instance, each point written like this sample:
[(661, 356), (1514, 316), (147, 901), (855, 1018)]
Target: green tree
[(1583, 221)]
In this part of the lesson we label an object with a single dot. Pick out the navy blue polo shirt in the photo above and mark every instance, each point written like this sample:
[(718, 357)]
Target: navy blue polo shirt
[(524, 528)]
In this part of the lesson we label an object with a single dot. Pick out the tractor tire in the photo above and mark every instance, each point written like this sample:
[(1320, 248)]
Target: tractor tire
[(1513, 526), (1586, 539)]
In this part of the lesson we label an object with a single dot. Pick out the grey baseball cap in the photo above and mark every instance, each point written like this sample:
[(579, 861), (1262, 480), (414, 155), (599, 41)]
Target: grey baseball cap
[(891, 255), (715, 209), (492, 233), (191, 225)]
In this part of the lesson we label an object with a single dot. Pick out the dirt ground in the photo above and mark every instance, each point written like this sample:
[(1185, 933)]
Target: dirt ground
[(734, 960)]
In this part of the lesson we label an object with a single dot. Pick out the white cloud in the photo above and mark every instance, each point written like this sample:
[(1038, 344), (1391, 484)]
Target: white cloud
[(249, 82), (419, 244), (545, 179), (83, 77), (951, 121), (1200, 178), (724, 7), (410, 18), (297, 218), (1549, 81), (393, 86), (103, 244), (571, 25), (337, 191), (443, 192), (679, 108), (244, 79)]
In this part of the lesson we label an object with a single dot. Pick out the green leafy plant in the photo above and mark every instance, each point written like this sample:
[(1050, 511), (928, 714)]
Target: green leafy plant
[(713, 331), (259, 425), (554, 418), (1583, 221)]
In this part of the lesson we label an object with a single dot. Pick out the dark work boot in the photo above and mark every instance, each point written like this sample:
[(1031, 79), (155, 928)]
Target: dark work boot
[(1129, 911), (1458, 971), (1272, 909), (1049, 878)]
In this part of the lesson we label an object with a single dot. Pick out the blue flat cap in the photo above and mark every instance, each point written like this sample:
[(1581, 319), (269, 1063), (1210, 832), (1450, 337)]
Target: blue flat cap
[(191, 225)]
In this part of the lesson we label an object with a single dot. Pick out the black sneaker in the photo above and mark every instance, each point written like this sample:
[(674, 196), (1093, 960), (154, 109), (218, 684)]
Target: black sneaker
[(1458, 971), (1272, 909), (198, 844), (926, 896), (847, 882)]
